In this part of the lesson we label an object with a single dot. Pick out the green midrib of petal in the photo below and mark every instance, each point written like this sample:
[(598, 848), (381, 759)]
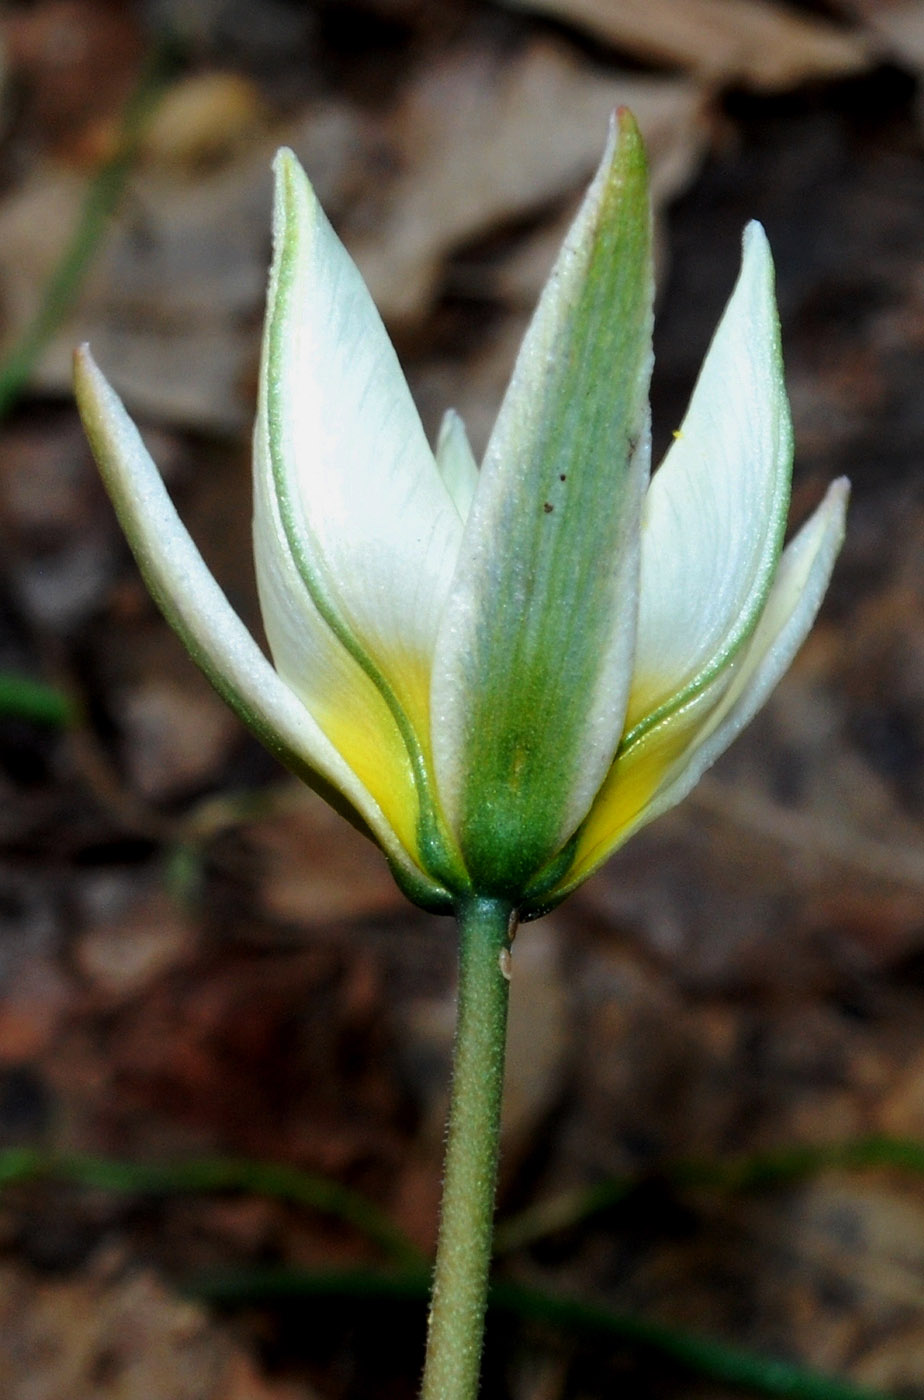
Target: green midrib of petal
[(435, 851), (550, 611)]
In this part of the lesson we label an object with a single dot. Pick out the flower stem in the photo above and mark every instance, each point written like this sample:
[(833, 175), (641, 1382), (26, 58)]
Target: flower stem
[(463, 1255)]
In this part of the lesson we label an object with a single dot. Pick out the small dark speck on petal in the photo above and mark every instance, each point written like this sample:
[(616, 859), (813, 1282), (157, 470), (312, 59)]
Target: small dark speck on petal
[(548, 508)]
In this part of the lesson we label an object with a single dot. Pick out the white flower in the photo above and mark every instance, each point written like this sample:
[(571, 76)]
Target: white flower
[(499, 674)]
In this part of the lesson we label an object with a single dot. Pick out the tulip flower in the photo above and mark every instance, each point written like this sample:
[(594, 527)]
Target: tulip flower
[(499, 673)]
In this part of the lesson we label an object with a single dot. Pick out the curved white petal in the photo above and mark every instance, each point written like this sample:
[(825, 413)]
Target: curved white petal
[(666, 763), (797, 593), (198, 610), (533, 658), (715, 512), (456, 461), (367, 518)]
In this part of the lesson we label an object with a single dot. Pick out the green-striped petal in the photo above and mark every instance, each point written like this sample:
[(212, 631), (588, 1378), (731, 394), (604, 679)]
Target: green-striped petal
[(355, 533), (361, 510), (534, 654), (715, 513)]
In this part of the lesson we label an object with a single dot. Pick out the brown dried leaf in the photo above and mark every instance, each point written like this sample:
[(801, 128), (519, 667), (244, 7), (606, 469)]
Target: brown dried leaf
[(899, 24), (537, 1037), (315, 868), (482, 140), (125, 951), (75, 63), (173, 303), (175, 735), (118, 1339), (202, 119), (765, 46)]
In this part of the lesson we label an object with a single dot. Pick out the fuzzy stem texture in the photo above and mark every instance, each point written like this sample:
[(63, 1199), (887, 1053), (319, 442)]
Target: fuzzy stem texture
[(463, 1255)]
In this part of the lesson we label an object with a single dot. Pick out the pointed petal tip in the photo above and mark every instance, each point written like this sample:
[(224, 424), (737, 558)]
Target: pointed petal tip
[(286, 163), (624, 146), (294, 196), (456, 461), (834, 506), (84, 363), (450, 423), (832, 509), (92, 390), (285, 167), (81, 360), (756, 255), (112, 435), (622, 122), (840, 489)]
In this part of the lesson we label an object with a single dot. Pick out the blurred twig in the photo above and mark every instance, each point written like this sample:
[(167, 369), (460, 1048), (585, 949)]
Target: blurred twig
[(213, 1174), (21, 697)]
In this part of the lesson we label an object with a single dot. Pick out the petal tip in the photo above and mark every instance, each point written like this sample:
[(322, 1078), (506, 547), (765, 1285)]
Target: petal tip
[(837, 498), (82, 362), (91, 387), (755, 250), (624, 146), (623, 123), (295, 200), (286, 164)]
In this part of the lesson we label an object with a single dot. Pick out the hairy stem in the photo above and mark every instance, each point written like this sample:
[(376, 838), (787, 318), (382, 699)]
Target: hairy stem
[(463, 1256)]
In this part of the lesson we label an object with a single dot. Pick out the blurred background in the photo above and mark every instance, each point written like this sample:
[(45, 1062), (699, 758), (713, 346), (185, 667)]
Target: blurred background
[(716, 1086)]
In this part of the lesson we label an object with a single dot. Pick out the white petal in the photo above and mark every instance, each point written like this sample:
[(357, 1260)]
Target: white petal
[(666, 762), (198, 610), (716, 509), (796, 595), (371, 525), (456, 461)]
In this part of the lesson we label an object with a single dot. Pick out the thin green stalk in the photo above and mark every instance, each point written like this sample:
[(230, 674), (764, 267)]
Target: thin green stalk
[(701, 1356), (765, 1375), (463, 1254), (779, 1165), (754, 1171), (21, 697), (209, 1174), (102, 195)]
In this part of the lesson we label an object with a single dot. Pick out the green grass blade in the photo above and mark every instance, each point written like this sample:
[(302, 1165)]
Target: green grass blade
[(101, 198)]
